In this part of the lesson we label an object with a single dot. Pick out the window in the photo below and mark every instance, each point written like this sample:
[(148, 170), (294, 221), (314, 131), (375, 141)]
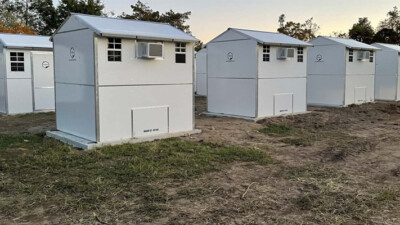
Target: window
[(300, 55), (371, 56), (17, 61), (114, 50), (266, 53), (180, 52), (351, 55)]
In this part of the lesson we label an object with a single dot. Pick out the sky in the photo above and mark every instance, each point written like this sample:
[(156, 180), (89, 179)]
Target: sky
[(211, 17)]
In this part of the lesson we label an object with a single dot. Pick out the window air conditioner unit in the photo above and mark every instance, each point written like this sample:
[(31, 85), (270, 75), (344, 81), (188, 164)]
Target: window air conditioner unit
[(286, 53), (150, 50), (364, 55)]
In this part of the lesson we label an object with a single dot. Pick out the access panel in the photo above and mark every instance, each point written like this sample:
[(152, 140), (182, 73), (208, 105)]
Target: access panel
[(283, 104), (150, 121)]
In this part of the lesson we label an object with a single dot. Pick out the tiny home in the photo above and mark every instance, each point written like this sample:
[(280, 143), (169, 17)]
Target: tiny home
[(387, 82), (341, 72), (201, 72), (120, 80), (26, 74), (256, 74)]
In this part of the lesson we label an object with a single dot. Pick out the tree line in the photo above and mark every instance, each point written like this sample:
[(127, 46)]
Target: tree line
[(43, 17), (388, 30)]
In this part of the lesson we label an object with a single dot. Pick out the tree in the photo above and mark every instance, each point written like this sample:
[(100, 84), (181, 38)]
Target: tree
[(17, 28), (387, 36), (392, 22), (198, 46), (339, 34), (362, 31), (143, 12), (13, 18), (389, 29), (302, 31), (41, 15), (45, 14), (66, 7)]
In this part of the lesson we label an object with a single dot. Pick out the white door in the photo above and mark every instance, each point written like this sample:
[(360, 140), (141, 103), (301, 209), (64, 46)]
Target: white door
[(43, 81), (283, 104), (360, 95)]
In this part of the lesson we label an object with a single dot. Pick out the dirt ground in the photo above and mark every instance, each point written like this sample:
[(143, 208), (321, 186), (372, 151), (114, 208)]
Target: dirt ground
[(331, 166)]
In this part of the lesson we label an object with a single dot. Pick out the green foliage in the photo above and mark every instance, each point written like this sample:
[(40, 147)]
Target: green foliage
[(143, 12), (387, 36), (302, 31), (389, 29), (199, 46), (362, 31), (42, 16)]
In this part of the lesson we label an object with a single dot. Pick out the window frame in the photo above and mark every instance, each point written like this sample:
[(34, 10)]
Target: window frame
[(351, 55), (371, 56), (114, 50), (266, 53), (300, 54), (180, 50), (16, 64)]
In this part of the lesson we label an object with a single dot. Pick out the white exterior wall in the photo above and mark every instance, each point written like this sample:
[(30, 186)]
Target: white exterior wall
[(3, 87), (387, 72), (326, 73), (398, 80), (278, 78), (232, 83), (139, 83), (201, 73), (360, 80), (74, 83)]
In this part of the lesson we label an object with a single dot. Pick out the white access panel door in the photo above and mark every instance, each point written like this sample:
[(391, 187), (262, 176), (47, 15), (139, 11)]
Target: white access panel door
[(360, 95), (43, 81), (150, 121), (283, 104)]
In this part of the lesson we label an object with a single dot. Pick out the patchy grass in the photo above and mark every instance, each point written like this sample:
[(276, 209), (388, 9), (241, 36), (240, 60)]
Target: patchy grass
[(325, 193), (349, 146), (395, 172), (298, 141), (37, 172), (277, 129)]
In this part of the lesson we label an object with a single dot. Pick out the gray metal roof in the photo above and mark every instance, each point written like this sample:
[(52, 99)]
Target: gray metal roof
[(115, 27), (389, 46), (22, 41), (353, 44), (272, 38)]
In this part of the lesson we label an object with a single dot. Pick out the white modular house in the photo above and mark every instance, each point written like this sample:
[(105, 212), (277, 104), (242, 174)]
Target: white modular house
[(201, 72), (387, 82), (255, 74), (120, 80), (26, 74), (341, 72)]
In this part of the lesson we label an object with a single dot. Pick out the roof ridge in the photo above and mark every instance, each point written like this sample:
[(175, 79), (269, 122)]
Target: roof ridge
[(260, 31), (122, 19)]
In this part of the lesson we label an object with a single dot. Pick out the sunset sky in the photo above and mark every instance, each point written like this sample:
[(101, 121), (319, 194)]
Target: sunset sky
[(212, 17)]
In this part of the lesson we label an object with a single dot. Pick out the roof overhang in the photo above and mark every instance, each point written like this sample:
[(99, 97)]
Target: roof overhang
[(29, 48), (285, 44)]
